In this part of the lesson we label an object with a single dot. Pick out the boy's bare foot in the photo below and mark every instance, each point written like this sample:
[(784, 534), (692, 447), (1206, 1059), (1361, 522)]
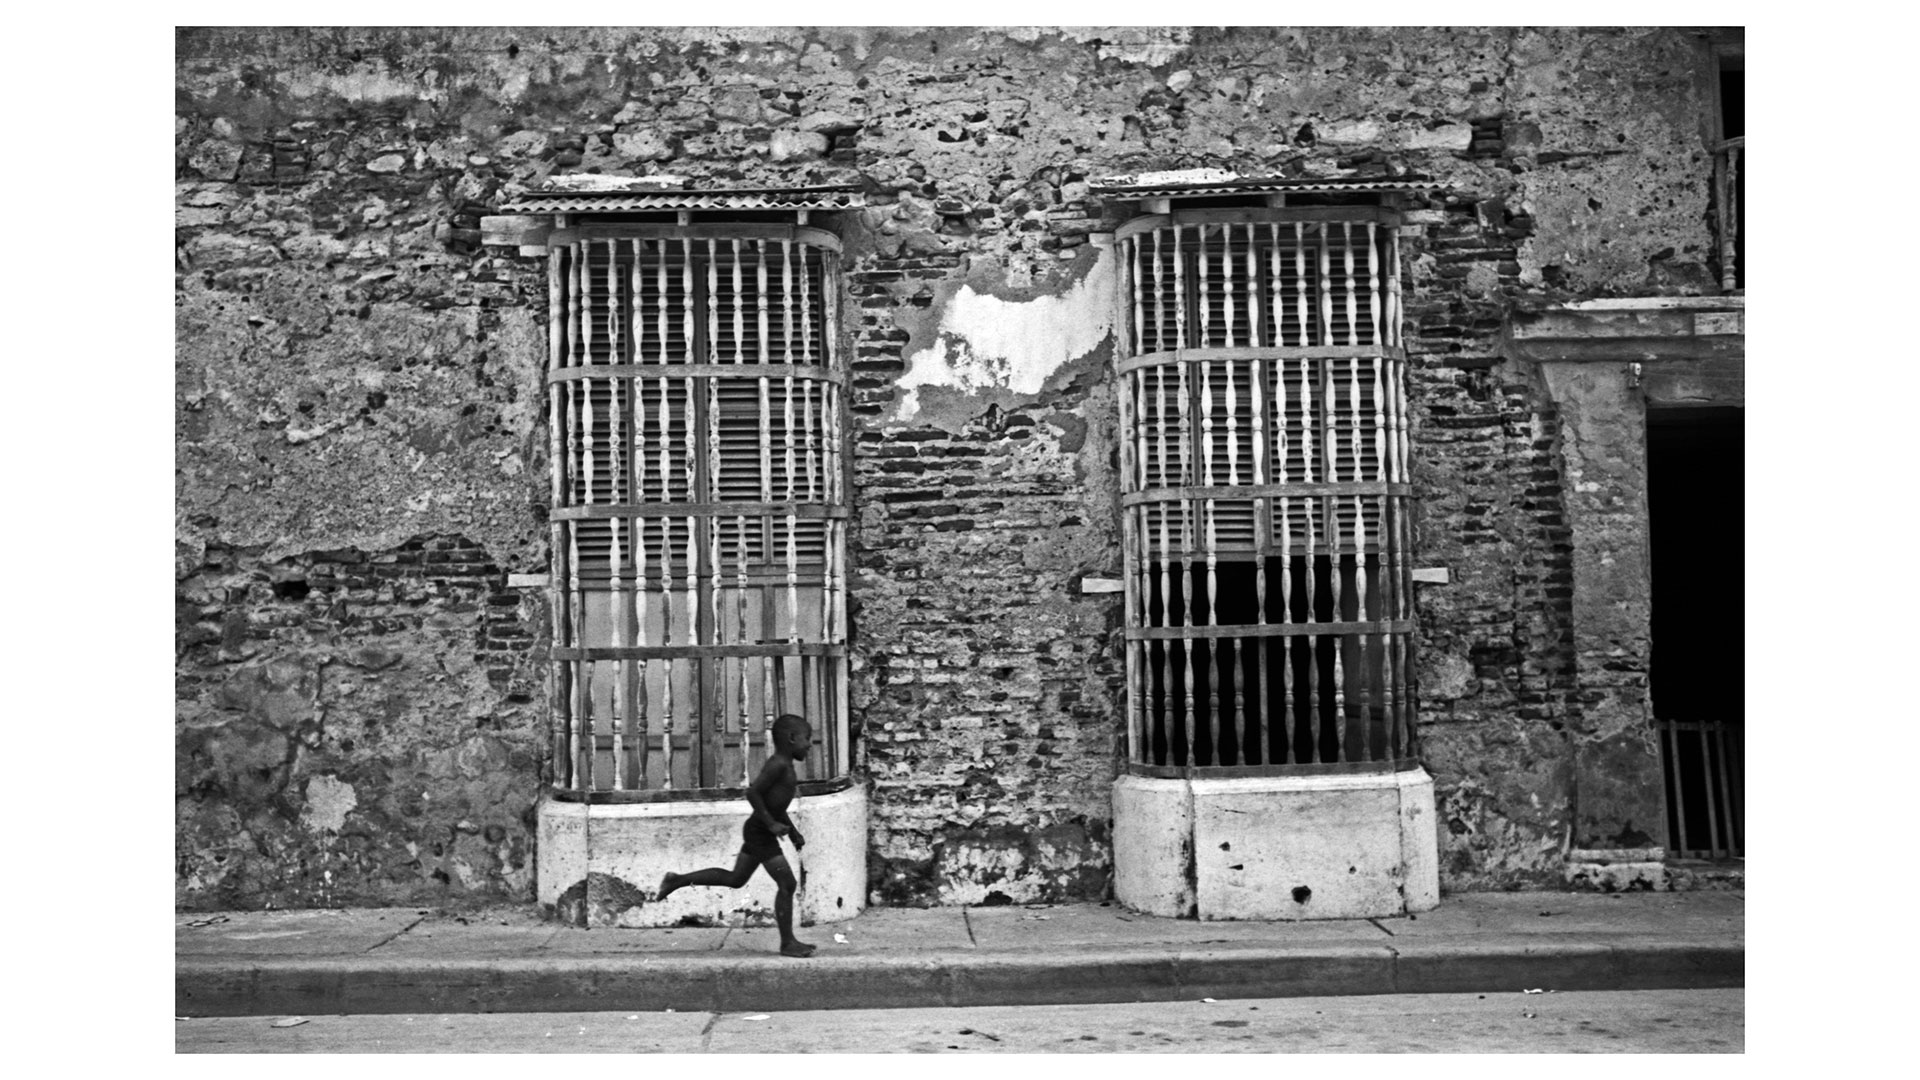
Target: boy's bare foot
[(796, 948), (666, 887)]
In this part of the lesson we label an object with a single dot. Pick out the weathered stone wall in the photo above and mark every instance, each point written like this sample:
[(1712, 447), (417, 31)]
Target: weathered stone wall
[(360, 718)]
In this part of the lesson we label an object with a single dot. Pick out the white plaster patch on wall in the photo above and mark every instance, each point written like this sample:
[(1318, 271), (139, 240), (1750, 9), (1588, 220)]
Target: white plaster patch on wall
[(328, 801), (984, 342), (1149, 45), (365, 84)]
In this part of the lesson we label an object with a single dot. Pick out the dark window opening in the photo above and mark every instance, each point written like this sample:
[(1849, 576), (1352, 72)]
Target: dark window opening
[(1733, 101), (1695, 503), (1275, 700)]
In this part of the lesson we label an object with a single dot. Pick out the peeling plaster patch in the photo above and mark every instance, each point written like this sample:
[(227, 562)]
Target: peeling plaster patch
[(983, 342), (1152, 46), (355, 86), (328, 801)]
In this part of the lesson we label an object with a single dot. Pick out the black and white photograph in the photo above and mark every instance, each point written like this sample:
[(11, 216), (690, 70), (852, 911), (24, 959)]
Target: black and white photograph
[(954, 540)]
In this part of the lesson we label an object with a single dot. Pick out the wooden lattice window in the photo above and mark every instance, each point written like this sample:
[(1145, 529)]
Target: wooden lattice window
[(698, 412), (1266, 488)]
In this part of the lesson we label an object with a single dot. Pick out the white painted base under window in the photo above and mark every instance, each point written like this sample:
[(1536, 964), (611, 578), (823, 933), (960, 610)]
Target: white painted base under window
[(1364, 846), (638, 843)]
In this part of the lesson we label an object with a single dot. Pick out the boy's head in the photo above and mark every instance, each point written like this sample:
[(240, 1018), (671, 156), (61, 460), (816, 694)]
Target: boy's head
[(792, 734)]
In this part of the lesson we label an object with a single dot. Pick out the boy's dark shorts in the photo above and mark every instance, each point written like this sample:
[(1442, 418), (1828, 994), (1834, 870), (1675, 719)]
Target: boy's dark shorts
[(756, 841)]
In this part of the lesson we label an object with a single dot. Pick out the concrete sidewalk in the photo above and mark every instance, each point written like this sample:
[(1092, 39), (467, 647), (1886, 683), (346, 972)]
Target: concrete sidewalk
[(506, 960)]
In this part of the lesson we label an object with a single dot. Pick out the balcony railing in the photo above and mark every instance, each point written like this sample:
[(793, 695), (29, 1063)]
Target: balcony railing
[(698, 414), (1266, 492), (1729, 197)]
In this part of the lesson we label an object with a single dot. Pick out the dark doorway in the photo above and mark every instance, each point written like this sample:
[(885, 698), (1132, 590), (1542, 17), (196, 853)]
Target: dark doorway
[(1696, 504)]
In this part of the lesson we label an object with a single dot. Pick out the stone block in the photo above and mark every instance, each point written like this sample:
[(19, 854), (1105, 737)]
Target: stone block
[(1306, 847), (611, 858)]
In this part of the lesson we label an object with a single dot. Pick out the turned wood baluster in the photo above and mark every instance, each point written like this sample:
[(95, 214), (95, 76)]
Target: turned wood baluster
[(1205, 326), (1363, 683), (695, 691), (1181, 341), (1132, 561), (1277, 298), (1730, 219), (1379, 684), (589, 469), (1262, 529), (660, 346), (1388, 446), (1215, 723), (808, 436), (1326, 335), (1373, 283), (739, 309), (1279, 739), (829, 435), (1188, 604), (666, 587), (587, 463), (1310, 442), (1226, 282), (1396, 737), (1400, 421), (813, 434), (615, 327), (1302, 318), (1232, 424), (687, 320), (560, 691), (616, 593), (1139, 337), (837, 496), (1255, 318), (1165, 510), (764, 298), (583, 681), (1337, 542), (713, 300), (740, 638), (786, 297), (793, 547), (711, 722), (693, 491), (1209, 508), (1136, 475), (1393, 287), (629, 477), (1235, 696), (1353, 295), (806, 312), (1159, 298), (1139, 583), (577, 632), (716, 573)]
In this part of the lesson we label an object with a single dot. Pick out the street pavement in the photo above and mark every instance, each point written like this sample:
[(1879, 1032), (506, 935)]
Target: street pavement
[(418, 961), (1580, 1021)]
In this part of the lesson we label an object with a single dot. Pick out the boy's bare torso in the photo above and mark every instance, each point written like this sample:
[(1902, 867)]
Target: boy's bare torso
[(778, 784)]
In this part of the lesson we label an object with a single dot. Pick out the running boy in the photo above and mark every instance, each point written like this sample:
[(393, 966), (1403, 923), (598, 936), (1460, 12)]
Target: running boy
[(769, 795)]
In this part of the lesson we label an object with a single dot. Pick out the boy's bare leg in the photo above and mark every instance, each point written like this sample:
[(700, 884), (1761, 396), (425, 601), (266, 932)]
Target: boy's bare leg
[(783, 908), (712, 875)]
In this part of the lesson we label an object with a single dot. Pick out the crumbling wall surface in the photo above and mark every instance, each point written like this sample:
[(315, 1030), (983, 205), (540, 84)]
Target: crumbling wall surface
[(358, 455), (354, 728), (1607, 131), (357, 374)]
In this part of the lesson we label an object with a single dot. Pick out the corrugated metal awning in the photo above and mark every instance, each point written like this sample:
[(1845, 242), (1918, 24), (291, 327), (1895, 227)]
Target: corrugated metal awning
[(1211, 182), (612, 197)]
